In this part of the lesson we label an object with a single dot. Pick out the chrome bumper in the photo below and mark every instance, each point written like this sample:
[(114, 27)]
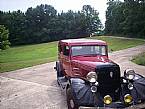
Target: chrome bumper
[(137, 106)]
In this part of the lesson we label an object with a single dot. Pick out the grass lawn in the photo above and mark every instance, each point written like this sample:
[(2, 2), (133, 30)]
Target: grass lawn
[(26, 56), (140, 59), (30, 55)]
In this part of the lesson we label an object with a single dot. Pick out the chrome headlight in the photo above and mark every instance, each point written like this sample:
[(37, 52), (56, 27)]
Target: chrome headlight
[(129, 74), (107, 99), (128, 99), (92, 77)]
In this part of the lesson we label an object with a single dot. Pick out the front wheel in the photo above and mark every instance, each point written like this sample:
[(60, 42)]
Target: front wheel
[(70, 100)]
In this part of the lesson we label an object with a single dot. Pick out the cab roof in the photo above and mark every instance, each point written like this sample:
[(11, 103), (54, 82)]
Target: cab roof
[(82, 42)]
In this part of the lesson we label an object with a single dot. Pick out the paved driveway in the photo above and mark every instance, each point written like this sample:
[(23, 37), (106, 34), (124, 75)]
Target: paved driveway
[(36, 87)]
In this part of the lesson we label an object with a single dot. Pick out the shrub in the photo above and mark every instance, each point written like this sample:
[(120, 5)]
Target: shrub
[(4, 35)]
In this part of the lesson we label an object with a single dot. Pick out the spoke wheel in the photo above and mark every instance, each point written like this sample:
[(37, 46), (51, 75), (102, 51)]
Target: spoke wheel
[(70, 101)]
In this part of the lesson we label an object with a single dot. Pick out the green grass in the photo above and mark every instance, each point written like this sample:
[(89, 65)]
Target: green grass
[(26, 56), (140, 59), (30, 55)]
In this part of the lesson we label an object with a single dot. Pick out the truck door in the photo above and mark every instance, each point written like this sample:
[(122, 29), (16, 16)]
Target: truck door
[(66, 60)]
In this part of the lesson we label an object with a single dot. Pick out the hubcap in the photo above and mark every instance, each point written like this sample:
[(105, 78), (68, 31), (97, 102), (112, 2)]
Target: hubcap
[(72, 103)]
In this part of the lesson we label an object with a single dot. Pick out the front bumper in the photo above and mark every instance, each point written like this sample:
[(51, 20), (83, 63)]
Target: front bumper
[(112, 105), (115, 105)]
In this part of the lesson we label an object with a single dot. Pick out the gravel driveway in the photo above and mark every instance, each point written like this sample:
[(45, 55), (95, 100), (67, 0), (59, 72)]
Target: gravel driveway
[(36, 87)]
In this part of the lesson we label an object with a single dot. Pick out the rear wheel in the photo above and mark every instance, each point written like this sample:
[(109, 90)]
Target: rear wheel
[(70, 100), (59, 70)]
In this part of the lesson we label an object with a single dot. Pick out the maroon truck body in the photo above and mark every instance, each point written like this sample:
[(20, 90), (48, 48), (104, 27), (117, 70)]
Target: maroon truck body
[(70, 64)]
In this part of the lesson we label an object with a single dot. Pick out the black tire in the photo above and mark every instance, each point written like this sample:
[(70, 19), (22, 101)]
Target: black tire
[(70, 100), (59, 71)]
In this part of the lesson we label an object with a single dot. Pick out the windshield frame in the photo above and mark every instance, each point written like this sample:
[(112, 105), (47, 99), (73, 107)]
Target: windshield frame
[(105, 47)]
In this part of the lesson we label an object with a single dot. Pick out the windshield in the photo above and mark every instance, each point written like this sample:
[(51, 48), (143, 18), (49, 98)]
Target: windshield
[(88, 50)]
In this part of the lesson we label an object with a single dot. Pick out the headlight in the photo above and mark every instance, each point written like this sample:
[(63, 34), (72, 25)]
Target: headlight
[(128, 99), (92, 77), (107, 99), (129, 74)]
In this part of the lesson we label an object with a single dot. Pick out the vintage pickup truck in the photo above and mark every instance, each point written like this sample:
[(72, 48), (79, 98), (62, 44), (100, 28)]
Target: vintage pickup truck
[(92, 80)]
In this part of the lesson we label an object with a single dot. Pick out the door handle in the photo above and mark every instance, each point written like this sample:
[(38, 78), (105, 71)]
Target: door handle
[(67, 60), (75, 68)]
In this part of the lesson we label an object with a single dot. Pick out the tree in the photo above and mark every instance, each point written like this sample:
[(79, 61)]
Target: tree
[(17, 27), (4, 34), (44, 24), (114, 17), (125, 18), (40, 23), (93, 23)]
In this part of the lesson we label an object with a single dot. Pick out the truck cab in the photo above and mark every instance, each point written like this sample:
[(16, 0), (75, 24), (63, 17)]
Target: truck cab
[(76, 52)]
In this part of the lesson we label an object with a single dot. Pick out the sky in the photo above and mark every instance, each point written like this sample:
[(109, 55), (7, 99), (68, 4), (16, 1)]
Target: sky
[(59, 5)]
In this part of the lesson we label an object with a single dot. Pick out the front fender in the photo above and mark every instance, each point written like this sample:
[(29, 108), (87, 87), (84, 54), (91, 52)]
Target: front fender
[(83, 95), (139, 88), (138, 92)]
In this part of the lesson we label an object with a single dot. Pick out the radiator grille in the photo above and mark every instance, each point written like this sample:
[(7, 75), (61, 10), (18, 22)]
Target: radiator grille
[(109, 80)]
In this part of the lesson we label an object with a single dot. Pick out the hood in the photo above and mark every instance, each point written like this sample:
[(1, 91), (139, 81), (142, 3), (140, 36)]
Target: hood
[(92, 61)]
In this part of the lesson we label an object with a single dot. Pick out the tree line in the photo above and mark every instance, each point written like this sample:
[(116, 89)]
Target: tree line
[(126, 18), (44, 24)]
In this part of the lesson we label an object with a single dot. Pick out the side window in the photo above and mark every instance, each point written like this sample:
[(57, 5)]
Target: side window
[(66, 51), (59, 48)]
